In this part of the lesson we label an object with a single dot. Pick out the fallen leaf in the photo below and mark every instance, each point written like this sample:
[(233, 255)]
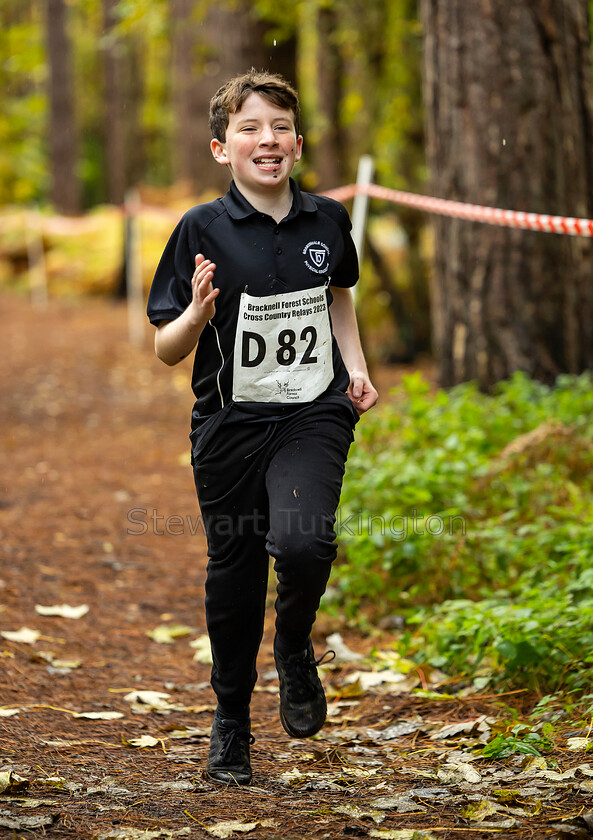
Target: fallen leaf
[(56, 663), (32, 803), (531, 809), (144, 741), (396, 730), (59, 783), (439, 696), (479, 724), (110, 807), (478, 811), (460, 757), (399, 804), (266, 689), (343, 653), (98, 715), (362, 773), (165, 634), (359, 813), (203, 651), (506, 822), (373, 679), (425, 774), (63, 742), (178, 787), (189, 732), (510, 795), (394, 660), (25, 635), (353, 689), (534, 764), (11, 782), (129, 833), (579, 743), (63, 666), (67, 664), (8, 820), (63, 610), (430, 793), (148, 701), (229, 827), (458, 773)]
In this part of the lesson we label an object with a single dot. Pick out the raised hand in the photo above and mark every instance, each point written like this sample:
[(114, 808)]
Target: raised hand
[(203, 292)]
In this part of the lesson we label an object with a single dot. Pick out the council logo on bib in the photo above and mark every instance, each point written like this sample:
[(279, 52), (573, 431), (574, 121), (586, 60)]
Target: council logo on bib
[(316, 257)]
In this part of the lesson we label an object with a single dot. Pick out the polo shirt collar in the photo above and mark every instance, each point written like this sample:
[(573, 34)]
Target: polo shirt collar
[(238, 207)]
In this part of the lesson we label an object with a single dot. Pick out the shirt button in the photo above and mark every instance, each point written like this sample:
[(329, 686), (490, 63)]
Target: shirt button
[(278, 250), (276, 231)]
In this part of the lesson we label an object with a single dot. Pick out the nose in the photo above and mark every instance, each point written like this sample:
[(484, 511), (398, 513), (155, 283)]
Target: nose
[(267, 136)]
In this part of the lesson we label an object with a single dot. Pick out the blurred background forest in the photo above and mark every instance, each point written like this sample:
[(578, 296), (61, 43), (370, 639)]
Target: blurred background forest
[(104, 95), (489, 103), (491, 106), (114, 93)]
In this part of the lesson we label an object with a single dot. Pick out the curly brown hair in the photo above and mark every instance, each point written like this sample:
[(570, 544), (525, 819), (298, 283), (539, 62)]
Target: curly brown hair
[(230, 98)]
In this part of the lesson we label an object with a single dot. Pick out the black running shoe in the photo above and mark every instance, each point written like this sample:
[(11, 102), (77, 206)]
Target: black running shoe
[(229, 761), (303, 707)]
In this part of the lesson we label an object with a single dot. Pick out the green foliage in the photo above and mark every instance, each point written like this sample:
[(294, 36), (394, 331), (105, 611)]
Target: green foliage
[(472, 515), (521, 741), (23, 174)]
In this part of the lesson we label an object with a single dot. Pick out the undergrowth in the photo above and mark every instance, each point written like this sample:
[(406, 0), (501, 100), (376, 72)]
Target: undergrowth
[(471, 516)]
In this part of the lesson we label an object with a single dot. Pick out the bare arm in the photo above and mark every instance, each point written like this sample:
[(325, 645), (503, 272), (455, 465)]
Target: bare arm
[(361, 391), (174, 340)]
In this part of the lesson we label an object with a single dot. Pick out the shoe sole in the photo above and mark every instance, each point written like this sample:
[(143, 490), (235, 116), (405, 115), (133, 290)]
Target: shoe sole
[(293, 733), (226, 782)]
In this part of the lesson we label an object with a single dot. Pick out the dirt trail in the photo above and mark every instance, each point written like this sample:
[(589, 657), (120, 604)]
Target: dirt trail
[(97, 507)]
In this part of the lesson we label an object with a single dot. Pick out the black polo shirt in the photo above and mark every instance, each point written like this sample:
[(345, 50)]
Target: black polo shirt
[(311, 247)]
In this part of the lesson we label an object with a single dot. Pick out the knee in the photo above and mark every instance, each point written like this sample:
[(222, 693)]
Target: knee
[(304, 548)]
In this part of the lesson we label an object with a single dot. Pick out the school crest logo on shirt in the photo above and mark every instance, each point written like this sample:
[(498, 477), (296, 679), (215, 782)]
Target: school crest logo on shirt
[(316, 257)]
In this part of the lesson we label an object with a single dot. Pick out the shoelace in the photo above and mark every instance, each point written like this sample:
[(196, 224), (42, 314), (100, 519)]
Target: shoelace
[(303, 680), (233, 737)]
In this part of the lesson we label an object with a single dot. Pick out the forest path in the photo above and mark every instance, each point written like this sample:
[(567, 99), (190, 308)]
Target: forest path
[(97, 508)]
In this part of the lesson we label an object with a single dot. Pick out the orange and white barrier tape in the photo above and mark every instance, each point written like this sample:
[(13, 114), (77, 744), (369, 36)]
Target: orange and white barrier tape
[(470, 212)]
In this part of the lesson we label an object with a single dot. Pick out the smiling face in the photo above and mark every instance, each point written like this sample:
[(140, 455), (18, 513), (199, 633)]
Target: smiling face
[(261, 147)]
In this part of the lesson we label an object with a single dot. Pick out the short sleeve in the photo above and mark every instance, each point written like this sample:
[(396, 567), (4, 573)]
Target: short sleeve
[(170, 293), (345, 273)]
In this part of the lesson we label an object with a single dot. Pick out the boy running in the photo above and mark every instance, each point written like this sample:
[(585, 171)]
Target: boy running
[(258, 282)]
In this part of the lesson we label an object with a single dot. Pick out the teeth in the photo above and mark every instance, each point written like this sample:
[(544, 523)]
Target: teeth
[(267, 160)]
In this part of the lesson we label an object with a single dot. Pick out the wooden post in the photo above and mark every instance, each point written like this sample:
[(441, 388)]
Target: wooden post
[(36, 259), (360, 205), (134, 286)]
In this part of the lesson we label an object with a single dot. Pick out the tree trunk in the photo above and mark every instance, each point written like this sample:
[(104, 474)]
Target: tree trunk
[(114, 119), (63, 133), (509, 124), (134, 93), (183, 42), (328, 152)]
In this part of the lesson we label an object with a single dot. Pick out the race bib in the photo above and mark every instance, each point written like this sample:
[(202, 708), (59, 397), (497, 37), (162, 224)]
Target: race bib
[(283, 348)]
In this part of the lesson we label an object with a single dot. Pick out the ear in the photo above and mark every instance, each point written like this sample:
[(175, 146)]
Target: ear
[(298, 148), (219, 152)]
